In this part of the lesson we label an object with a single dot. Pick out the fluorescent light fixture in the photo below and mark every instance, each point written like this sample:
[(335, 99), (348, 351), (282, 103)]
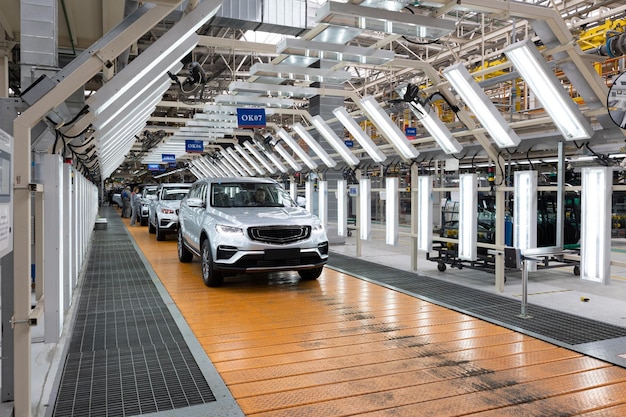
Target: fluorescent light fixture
[(295, 72), (424, 213), (161, 51), (220, 109), (209, 125), (430, 120), (226, 167), (233, 163), (286, 137), (290, 160), (537, 74), (380, 20), (392, 211), (361, 137), (484, 110), (211, 166), (334, 52), (595, 248), (525, 210), (365, 208), (196, 173), (272, 89), (272, 157), (254, 100), (240, 161), (468, 217), (387, 127), (342, 208), (322, 202), (250, 147), (202, 169), (314, 145), (216, 117), (249, 159), (332, 138)]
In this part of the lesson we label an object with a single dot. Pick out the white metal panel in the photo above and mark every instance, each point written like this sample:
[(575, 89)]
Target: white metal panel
[(365, 208)]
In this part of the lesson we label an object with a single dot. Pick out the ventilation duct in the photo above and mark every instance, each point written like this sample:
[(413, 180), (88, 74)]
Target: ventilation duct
[(288, 17)]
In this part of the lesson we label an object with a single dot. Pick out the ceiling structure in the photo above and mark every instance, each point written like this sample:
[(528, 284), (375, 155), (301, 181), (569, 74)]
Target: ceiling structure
[(361, 56)]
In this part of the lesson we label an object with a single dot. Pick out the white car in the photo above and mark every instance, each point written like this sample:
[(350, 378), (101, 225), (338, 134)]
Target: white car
[(147, 195), (163, 210), (226, 224)]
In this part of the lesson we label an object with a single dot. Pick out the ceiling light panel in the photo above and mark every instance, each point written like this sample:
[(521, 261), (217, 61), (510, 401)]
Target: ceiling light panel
[(548, 89), (286, 137), (380, 20), (294, 72), (236, 87), (388, 128), (332, 138), (314, 145), (255, 100), (482, 107), (361, 137), (430, 120), (334, 52)]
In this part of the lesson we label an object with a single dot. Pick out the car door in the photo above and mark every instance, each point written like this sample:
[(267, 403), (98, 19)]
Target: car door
[(192, 216)]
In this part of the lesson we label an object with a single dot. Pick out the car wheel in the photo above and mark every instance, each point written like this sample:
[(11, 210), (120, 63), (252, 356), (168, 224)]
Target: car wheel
[(151, 228), (210, 277), (144, 222), (184, 255), (310, 274), (160, 234)]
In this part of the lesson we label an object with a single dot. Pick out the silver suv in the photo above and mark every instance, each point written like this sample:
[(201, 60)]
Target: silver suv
[(239, 225), (163, 210), (147, 195)]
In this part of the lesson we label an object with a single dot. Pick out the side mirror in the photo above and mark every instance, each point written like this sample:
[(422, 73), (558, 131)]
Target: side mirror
[(195, 203)]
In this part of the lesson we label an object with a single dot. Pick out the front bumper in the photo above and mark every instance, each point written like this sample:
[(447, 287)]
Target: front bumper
[(229, 258)]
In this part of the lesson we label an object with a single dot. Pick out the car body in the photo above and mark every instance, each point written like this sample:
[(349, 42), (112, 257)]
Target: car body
[(148, 194), (221, 223), (163, 210)]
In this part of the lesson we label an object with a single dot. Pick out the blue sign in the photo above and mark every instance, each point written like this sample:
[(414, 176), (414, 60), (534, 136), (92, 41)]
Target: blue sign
[(194, 146), (410, 132), (250, 118), (172, 164), (168, 157), (349, 143), (154, 167)]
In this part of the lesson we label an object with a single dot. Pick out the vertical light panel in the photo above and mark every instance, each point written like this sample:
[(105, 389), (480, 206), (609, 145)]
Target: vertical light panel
[(342, 208), (595, 251), (308, 194), (525, 210), (468, 217), (525, 213), (391, 210), (365, 207), (424, 213), (293, 189), (322, 202)]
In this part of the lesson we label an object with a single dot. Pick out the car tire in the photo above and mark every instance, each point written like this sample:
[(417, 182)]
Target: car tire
[(184, 254), (210, 277), (160, 234), (311, 274), (151, 228), (144, 222)]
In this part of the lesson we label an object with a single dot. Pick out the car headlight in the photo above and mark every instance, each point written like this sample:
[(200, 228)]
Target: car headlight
[(168, 211), (317, 226), (228, 230)]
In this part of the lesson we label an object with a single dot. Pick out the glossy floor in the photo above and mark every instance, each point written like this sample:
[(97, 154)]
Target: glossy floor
[(344, 346)]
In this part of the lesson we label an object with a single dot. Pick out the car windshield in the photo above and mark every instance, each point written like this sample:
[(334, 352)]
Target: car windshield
[(246, 194), (175, 194), (149, 192)]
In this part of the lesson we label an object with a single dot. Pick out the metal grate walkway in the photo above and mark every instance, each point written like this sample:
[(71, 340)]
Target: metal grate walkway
[(126, 354), (552, 325)]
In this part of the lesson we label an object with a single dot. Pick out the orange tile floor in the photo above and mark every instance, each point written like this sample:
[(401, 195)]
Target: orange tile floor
[(341, 346)]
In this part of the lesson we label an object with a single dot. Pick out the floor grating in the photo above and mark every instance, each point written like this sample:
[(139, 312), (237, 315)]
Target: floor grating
[(126, 355), (552, 324)]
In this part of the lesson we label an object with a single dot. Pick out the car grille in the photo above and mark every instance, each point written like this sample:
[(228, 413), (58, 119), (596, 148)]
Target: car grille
[(279, 234)]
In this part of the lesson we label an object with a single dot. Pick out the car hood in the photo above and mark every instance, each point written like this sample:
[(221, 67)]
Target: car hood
[(259, 216)]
